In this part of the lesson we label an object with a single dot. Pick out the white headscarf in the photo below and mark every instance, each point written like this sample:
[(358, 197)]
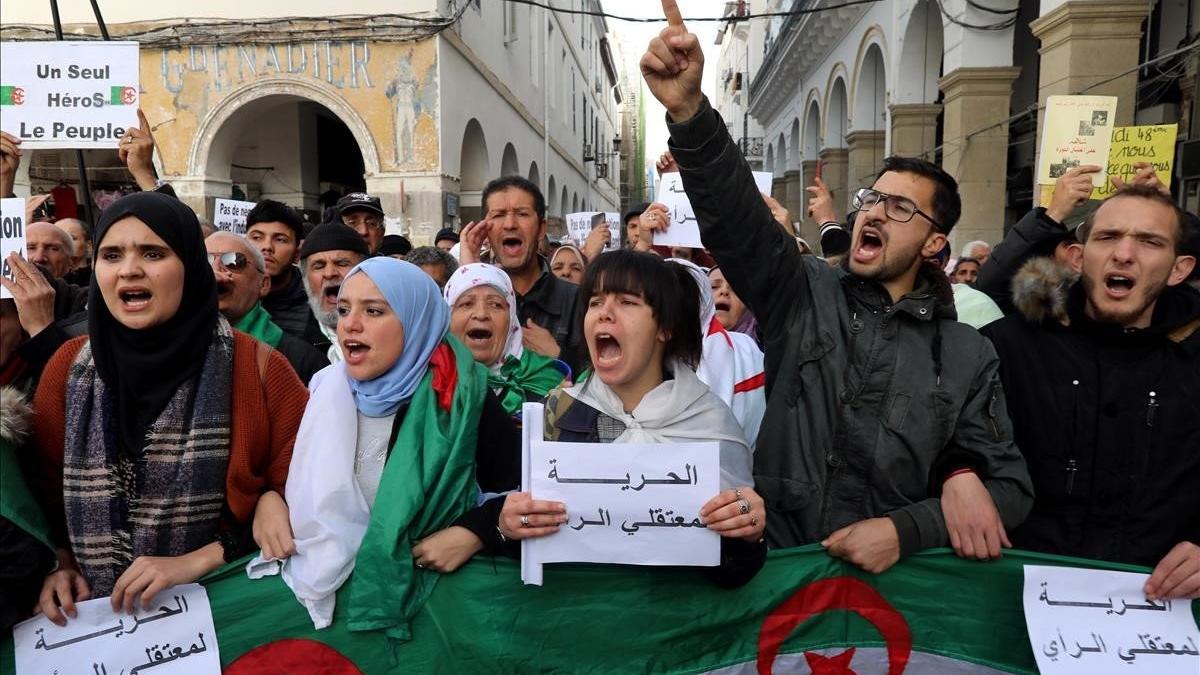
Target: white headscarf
[(481, 274), (680, 410), (731, 364)]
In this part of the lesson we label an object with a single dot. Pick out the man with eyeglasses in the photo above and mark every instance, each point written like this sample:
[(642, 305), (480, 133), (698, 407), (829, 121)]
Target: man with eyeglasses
[(884, 414), (242, 282)]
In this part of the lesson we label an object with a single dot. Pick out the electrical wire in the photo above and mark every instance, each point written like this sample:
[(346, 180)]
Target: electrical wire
[(998, 26), (992, 10), (694, 19)]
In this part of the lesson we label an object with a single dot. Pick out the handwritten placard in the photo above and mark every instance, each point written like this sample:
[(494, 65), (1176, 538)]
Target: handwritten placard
[(230, 215), (684, 231), (1095, 622), (1153, 143), (174, 636), (580, 225), (1076, 130), (68, 94), (12, 237), (627, 503)]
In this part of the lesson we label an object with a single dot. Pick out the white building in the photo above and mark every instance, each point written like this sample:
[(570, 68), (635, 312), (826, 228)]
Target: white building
[(291, 101)]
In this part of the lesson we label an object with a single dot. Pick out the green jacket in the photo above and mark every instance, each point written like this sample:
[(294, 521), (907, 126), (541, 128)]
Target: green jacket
[(869, 404)]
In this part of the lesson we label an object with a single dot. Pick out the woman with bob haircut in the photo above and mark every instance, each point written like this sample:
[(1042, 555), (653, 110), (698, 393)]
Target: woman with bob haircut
[(643, 343)]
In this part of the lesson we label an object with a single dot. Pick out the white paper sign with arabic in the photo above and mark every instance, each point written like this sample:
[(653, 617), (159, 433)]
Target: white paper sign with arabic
[(628, 503), (1096, 622), (174, 636), (684, 231)]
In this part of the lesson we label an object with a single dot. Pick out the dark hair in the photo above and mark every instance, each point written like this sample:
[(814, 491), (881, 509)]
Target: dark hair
[(521, 183), (634, 212), (1186, 237), (669, 290), (947, 205), (966, 259), (432, 255), (271, 211)]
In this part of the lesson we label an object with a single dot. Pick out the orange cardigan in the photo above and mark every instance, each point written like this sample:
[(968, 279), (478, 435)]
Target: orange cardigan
[(265, 420)]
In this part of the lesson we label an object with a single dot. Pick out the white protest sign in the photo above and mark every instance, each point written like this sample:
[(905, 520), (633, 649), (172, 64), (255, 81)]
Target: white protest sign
[(68, 94), (175, 636), (580, 225), (1095, 622), (684, 231), (628, 503), (12, 236), (230, 215)]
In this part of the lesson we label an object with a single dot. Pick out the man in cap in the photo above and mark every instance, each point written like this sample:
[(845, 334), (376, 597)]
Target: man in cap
[(446, 238), (329, 253), (364, 213), (242, 283)]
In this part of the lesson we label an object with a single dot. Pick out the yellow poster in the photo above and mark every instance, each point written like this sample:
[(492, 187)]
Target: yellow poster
[(1076, 130), (1130, 145)]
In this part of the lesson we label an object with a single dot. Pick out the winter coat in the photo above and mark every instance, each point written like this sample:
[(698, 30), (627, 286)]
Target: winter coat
[(869, 403), (1108, 419), (552, 304)]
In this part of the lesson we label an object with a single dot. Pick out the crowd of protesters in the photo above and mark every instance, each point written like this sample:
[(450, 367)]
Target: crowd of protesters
[(177, 401)]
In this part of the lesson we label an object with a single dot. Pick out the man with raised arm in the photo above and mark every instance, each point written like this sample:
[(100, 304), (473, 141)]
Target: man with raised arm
[(885, 416)]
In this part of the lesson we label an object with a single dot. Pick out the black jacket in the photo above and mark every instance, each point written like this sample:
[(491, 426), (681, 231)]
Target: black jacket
[(1108, 420), (305, 358), (552, 303), (869, 403), (288, 307)]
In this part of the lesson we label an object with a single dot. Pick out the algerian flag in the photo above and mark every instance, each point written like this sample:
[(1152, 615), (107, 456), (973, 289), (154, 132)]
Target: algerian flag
[(804, 612), (11, 95), (118, 95)]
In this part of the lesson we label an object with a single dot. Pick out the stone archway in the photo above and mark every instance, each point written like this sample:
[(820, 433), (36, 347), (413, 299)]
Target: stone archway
[(473, 171)]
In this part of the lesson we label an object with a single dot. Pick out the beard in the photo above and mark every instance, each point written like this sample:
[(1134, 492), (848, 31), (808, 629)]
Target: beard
[(328, 319), (1150, 290)]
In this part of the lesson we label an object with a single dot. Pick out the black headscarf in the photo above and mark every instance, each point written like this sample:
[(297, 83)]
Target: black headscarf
[(143, 368)]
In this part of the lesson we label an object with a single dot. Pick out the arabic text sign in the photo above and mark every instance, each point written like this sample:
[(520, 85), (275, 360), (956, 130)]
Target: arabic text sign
[(68, 94), (1076, 130), (174, 637), (629, 503), (684, 231), (1095, 622), (580, 225), (12, 236), (1130, 145), (230, 215)]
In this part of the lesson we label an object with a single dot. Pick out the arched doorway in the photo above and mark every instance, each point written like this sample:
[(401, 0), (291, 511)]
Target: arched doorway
[(509, 166), (535, 176), (473, 172)]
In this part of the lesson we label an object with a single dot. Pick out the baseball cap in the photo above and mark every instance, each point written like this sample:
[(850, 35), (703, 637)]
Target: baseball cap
[(359, 200)]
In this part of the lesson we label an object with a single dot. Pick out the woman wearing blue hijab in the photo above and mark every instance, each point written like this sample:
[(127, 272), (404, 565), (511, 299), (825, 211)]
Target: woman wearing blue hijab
[(405, 422)]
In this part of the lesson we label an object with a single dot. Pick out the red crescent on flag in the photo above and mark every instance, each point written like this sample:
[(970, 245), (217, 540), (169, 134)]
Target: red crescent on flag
[(837, 593), (293, 656), (18, 96), (128, 95)]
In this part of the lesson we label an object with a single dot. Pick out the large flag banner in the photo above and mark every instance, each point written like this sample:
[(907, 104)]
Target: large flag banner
[(68, 94), (804, 612)]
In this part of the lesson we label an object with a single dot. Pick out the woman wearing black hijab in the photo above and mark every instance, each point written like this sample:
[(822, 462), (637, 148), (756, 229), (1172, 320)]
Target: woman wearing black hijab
[(165, 437)]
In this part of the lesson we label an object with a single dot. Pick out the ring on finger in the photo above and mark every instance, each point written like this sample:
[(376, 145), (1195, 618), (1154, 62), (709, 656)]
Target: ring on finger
[(744, 505), (525, 520), (420, 566), (754, 521), (737, 492)]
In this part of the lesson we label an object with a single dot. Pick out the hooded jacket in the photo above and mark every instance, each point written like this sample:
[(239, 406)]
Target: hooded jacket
[(1108, 419), (869, 403)]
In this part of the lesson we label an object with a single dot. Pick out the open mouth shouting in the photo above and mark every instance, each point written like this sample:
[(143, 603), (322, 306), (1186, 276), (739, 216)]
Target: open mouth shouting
[(512, 247), (329, 294), (608, 351), (1119, 285), (722, 306), (134, 298), (355, 351), (479, 338), (870, 244)]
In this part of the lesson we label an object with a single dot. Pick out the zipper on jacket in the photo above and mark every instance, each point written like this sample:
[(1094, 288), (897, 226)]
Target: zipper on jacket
[(1072, 465), (991, 414), (1151, 409)]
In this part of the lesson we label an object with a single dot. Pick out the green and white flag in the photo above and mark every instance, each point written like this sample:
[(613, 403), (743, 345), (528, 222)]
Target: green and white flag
[(804, 612)]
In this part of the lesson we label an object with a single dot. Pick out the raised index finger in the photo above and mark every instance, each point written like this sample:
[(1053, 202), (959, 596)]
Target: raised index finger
[(671, 11)]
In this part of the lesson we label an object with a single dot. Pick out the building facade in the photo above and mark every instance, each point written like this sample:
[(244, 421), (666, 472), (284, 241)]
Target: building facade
[(959, 83), (419, 102)]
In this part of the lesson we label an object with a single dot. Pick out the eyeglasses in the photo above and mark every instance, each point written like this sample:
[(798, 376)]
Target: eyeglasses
[(232, 261), (899, 209)]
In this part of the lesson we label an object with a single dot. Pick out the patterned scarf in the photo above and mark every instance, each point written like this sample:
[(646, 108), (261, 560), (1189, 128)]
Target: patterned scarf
[(164, 499)]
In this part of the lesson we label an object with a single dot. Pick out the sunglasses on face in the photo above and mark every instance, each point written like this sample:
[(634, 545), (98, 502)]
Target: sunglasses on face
[(232, 261)]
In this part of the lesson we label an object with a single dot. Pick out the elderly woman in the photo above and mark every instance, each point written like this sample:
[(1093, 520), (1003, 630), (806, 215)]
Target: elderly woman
[(483, 316), (405, 422), (643, 344), (165, 437), (568, 263)]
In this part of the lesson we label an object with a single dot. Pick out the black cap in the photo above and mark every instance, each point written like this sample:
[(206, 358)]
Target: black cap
[(446, 233), (333, 237), (395, 244), (359, 200)]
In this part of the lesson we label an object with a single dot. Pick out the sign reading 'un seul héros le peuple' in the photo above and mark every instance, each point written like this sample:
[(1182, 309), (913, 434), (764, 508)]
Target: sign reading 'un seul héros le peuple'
[(68, 94)]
